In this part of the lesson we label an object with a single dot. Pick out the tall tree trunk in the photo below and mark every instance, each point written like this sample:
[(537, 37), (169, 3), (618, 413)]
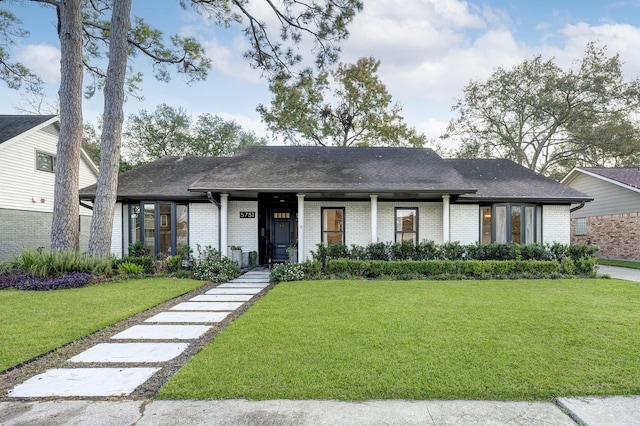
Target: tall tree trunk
[(66, 208), (102, 222)]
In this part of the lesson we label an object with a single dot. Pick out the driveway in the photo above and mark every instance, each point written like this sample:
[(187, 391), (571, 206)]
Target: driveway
[(620, 273)]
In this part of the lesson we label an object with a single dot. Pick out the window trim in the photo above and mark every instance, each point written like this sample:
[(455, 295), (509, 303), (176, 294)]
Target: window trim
[(537, 217), (157, 224), (53, 161), (324, 232), (395, 223)]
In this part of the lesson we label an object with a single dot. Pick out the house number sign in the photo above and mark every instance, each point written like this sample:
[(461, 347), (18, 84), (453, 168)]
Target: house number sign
[(247, 215)]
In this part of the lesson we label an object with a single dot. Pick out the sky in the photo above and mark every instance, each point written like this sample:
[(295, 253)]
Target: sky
[(429, 50)]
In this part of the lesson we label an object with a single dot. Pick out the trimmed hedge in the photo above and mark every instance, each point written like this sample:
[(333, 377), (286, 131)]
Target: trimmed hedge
[(473, 269)]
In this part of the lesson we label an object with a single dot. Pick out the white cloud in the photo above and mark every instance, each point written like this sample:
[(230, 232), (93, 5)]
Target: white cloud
[(44, 60)]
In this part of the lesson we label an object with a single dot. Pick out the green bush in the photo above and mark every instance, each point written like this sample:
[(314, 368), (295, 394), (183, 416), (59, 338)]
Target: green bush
[(377, 251), (57, 263), (145, 262), (216, 270), (312, 269), (286, 272), (138, 249), (130, 268), (174, 263), (253, 259)]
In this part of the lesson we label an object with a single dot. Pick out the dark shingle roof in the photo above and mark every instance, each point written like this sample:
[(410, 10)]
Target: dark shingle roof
[(506, 180), (165, 179), (14, 125), (307, 168), (626, 175)]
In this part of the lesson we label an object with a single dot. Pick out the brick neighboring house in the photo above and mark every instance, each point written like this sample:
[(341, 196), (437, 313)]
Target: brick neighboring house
[(612, 220), (28, 145), (267, 199)]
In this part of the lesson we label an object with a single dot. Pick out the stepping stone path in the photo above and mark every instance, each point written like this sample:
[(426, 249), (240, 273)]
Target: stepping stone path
[(185, 322)]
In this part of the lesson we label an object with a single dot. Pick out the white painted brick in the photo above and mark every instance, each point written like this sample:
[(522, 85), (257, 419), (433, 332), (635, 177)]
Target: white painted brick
[(116, 231), (203, 226), (242, 232), (465, 223), (556, 224), (429, 220)]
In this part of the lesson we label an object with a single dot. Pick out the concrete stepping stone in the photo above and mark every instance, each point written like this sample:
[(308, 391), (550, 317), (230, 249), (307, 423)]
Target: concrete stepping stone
[(131, 352), (207, 306), (163, 332), (242, 285), (189, 317), (222, 298), (219, 290), (83, 382)]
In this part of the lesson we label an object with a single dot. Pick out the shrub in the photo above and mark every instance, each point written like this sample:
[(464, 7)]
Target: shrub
[(286, 272), (21, 281), (216, 270), (253, 259), (57, 263), (174, 263), (130, 268), (378, 251), (337, 251), (145, 262), (138, 249), (426, 250), (312, 269), (451, 251)]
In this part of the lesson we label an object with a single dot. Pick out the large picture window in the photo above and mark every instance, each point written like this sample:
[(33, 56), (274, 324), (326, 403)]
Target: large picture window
[(333, 225), (162, 226), (509, 223), (407, 225)]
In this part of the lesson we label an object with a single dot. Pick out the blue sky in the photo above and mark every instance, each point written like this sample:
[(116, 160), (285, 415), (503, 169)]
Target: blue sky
[(429, 50)]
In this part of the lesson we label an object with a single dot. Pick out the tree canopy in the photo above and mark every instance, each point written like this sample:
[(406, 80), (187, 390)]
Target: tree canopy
[(170, 131), (549, 119), (347, 107)]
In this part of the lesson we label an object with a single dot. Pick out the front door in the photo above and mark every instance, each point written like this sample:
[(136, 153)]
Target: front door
[(282, 231)]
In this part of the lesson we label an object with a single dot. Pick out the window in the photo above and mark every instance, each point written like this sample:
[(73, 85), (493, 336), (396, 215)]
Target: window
[(510, 223), (581, 226), (407, 225), (160, 225), (45, 162), (333, 226)]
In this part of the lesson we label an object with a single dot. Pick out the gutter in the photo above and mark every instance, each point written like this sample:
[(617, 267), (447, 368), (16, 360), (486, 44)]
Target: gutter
[(86, 206), (214, 201), (582, 203)]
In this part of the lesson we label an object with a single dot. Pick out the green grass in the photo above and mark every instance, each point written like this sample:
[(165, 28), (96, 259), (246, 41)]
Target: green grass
[(622, 263), (359, 340), (34, 322)]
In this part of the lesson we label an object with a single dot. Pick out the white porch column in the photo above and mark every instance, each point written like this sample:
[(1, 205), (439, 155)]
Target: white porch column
[(374, 218), (300, 228), (224, 224), (446, 232)]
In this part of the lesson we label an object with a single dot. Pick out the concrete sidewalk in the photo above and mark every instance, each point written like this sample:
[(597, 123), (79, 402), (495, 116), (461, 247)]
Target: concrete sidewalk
[(620, 411), (619, 273)]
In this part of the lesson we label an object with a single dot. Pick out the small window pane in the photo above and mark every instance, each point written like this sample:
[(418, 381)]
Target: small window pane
[(516, 224), (182, 224), (407, 225), (45, 162), (501, 224), (333, 226), (581, 226), (486, 225), (529, 225)]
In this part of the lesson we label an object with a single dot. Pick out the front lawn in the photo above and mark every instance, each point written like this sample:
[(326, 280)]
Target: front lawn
[(360, 340), (34, 322)]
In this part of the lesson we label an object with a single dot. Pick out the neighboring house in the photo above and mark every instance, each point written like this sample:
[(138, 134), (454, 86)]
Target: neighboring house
[(266, 199), (27, 163), (612, 220)]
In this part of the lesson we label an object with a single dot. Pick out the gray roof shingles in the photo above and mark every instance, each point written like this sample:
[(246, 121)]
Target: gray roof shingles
[(165, 179), (506, 180), (14, 125), (626, 175), (338, 170), (308, 168)]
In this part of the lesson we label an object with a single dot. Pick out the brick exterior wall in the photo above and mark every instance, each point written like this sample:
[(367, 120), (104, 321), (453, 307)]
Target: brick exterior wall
[(429, 220), (464, 223), (242, 232), (556, 224), (203, 226), (617, 236), (21, 229)]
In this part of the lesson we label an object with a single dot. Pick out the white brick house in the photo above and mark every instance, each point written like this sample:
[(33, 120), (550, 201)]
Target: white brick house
[(28, 145), (266, 199)]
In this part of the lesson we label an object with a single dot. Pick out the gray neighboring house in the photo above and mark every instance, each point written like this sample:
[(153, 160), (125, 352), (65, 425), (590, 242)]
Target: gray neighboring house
[(28, 145), (267, 199), (612, 220)]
